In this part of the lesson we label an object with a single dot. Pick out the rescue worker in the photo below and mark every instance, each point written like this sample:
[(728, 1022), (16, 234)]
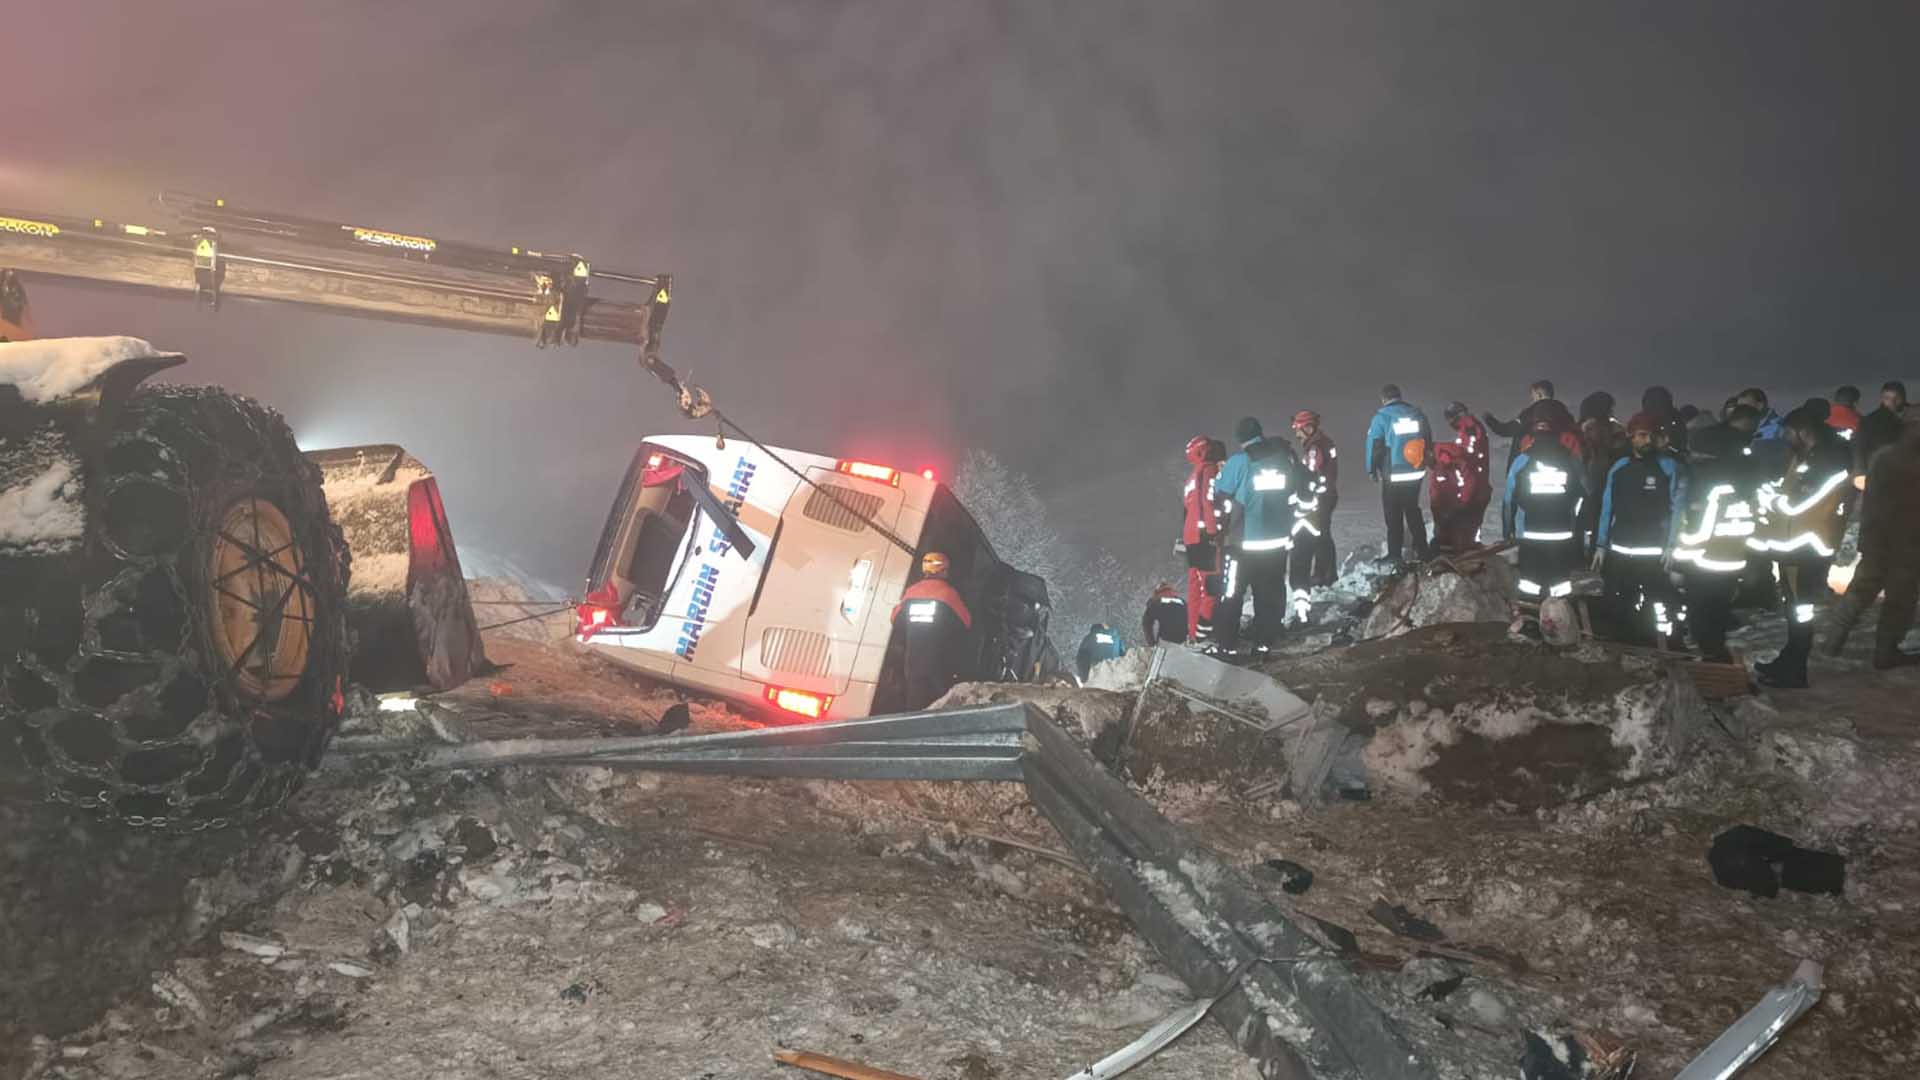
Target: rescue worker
[(1843, 415), (1458, 498), (1541, 406), (1397, 442), (1803, 515), (1200, 536), (1640, 505), (1312, 563), (1165, 619), (1889, 552), (1657, 402), (933, 622), (1475, 442), (1603, 442), (1770, 448), (1710, 548), (1545, 488), (1880, 428), (1264, 482), (1100, 645)]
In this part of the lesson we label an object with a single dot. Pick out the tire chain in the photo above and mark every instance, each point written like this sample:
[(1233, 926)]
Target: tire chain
[(268, 783)]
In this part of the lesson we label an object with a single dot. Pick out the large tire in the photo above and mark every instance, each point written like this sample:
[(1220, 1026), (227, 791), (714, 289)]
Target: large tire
[(185, 670)]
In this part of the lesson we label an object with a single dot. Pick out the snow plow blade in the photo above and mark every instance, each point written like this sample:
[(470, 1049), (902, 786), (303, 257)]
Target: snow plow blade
[(407, 602)]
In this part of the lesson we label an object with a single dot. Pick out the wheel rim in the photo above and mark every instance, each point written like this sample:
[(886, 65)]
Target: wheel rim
[(262, 600)]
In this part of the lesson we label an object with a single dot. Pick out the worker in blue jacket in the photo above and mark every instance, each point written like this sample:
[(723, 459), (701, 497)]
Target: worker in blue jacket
[(1640, 511), (1100, 644), (1264, 483), (1545, 488), (1398, 443)]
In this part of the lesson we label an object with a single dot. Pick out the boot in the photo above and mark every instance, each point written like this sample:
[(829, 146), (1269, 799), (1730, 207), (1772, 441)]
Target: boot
[(1846, 615)]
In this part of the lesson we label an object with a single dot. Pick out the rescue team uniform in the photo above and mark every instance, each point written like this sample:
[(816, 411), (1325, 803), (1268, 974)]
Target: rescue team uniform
[(1710, 547), (1165, 618), (1313, 562), (1639, 508), (1458, 498), (1200, 539), (1802, 516), (1889, 552), (1545, 488), (933, 621), (1263, 482), (1100, 645), (1397, 442)]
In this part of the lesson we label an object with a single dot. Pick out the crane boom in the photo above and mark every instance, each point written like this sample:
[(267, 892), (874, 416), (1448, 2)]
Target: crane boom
[(218, 252)]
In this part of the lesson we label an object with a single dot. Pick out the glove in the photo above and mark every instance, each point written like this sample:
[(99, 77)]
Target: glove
[(1599, 560), (1179, 547)]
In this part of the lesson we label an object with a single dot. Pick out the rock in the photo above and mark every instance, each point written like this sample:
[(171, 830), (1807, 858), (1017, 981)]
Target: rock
[(400, 931), (770, 935), (1294, 878), (173, 990), (1551, 1057), (1404, 923), (1490, 1010), (251, 945), (676, 718), (350, 969), (649, 912), (1478, 590)]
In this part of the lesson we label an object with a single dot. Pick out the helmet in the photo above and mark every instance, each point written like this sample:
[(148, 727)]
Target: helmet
[(1197, 449), (1305, 418), (933, 564), (1455, 410)]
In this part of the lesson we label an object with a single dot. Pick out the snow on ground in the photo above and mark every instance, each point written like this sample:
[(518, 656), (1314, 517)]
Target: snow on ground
[(55, 367), (44, 514)]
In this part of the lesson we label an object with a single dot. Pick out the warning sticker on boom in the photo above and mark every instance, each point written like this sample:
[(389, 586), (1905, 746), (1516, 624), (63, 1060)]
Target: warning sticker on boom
[(28, 228)]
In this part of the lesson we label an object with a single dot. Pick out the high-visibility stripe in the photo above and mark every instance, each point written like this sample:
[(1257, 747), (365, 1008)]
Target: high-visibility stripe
[(1826, 488), (1804, 540), (1565, 588), (1531, 535), (1406, 425), (1306, 524), (1265, 545), (1103, 639), (1546, 480), (1733, 528), (1401, 477), (1637, 552), (1529, 587), (1708, 516), (923, 611), (1269, 480), (1803, 613)]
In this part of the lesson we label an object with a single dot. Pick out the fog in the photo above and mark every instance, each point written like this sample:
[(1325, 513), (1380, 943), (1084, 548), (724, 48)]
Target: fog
[(1074, 234)]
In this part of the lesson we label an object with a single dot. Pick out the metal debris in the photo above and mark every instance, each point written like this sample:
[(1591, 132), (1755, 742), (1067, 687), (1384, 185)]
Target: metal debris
[(1752, 1034)]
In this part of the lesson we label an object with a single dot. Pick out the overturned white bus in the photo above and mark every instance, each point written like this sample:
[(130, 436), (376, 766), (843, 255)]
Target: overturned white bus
[(721, 570)]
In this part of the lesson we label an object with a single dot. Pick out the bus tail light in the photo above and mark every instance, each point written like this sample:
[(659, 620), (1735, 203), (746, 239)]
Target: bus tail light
[(867, 470), (799, 702)]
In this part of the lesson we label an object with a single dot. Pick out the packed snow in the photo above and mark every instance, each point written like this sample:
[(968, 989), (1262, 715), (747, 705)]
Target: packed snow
[(43, 516), (52, 368)]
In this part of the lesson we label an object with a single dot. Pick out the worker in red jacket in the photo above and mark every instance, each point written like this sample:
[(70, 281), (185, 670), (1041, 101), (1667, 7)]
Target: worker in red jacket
[(1458, 497), (1476, 442), (1200, 535), (932, 622), (1313, 562)]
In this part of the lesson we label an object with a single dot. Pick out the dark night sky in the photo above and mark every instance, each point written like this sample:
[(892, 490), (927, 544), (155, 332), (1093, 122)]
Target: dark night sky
[(1072, 233)]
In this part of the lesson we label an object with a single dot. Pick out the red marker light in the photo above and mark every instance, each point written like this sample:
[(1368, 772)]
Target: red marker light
[(928, 473), (867, 470), (799, 702)]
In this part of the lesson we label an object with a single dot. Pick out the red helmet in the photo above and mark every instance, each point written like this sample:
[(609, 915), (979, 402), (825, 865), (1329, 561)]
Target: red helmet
[(1306, 417), (1197, 449)]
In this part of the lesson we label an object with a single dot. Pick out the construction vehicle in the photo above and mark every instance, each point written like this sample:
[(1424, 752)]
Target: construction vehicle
[(174, 590), (180, 608)]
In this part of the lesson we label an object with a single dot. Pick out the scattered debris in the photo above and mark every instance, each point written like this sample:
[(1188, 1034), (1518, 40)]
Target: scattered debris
[(1761, 862), (676, 718), (1753, 1033), (1404, 923), (1295, 879), (1156, 1039), (251, 945), (832, 1066)]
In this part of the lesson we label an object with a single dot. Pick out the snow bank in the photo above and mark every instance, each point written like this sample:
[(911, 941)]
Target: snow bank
[(44, 516), (55, 367)]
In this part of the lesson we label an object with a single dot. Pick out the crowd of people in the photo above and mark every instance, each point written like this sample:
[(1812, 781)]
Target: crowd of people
[(1684, 514)]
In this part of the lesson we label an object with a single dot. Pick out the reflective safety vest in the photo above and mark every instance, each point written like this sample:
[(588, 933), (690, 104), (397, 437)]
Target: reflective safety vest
[(923, 600), (1165, 619), (1397, 443), (1805, 512), (1544, 490), (1644, 499), (1721, 517), (1266, 482), (1099, 645)]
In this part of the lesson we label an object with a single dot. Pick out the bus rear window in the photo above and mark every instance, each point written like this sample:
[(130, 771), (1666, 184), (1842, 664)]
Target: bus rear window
[(644, 544)]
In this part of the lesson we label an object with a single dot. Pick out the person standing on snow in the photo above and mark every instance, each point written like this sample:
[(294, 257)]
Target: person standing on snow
[(1843, 413), (1542, 510), (1710, 548), (1603, 442), (1520, 430), (1477, 444), (1669, 421), (1264, 482), (1640, 507), (1458, 498), (1313, 564), (933, 622), (1100, 645), (1889, 552), (1880, 428), (1397, 442), (1802, 518), (1165, 618), (1200, 535)]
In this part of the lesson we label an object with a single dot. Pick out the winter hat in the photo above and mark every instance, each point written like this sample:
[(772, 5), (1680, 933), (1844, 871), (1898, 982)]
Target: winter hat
[(1247, 430), (1642, 422)]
